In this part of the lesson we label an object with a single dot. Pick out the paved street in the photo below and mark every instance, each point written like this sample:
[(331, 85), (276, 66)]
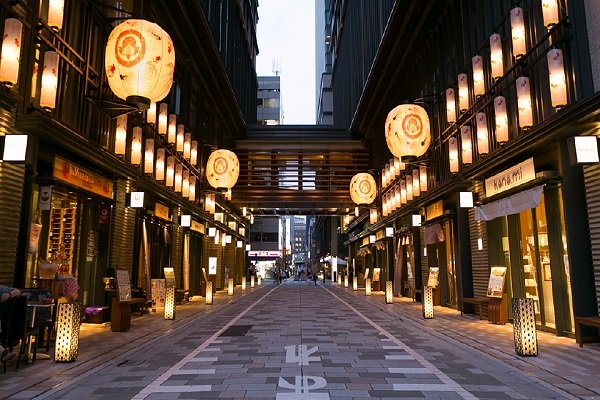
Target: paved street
[(301, 341)]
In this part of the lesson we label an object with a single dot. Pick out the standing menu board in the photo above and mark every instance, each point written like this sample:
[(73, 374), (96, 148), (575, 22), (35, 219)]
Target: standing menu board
[(432, 280), (496, 283), (123, 284)]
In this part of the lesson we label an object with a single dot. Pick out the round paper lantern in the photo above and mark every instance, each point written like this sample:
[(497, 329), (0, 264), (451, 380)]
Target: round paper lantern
[(222, 169), (139, 62), (407, 131), (363, 188)]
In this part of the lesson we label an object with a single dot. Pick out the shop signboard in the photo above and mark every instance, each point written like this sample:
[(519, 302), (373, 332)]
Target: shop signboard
[(434, 210), (79, 177), (212, 265), (510, 178), (45, 196), (496, 283), (158, 292), (169, 277), (197, 227), (161, 211)]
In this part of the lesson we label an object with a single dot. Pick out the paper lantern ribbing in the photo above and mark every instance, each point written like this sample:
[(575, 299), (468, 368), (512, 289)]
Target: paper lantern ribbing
[(407, 131), (363, 188), (139, 62), (222, 169)]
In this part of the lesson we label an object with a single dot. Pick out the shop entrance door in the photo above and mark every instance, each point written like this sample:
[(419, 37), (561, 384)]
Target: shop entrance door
[(441, 254)]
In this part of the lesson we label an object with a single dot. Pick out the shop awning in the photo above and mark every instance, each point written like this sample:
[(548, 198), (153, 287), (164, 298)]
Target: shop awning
[(514, 204)]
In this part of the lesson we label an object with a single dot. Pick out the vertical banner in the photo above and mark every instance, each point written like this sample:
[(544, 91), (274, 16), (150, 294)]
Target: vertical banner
[(186, 261), (147, 261), (103, 219), (45, 196), (398, 269)]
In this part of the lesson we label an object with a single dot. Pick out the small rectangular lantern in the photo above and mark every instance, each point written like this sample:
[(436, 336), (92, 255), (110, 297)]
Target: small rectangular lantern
[(517, 27), (463, 92), (416, 186), (339, 279), (11, 51), (427, 302), (170, 176), (49, 81), (465, 199), (478, 80), (403, 199), (345, 281), (496, 56), (192, 193), (185, 183), (209, 293), (466, 145), (68, 320), (389, 292), (172, 129), (558, 83), (180, 138), (450, 106), (244, 283), (524, 102), (483, 142), (136, 146), (149, 157), (368, 287), (550, 12), (194, 153), (159, 171), (178, 177), (355, 283), (121, 135), (423, 177), (409, 187), (453, 154), (524, 332), (239, 244), (230, 286), (259, 280), (373, 216), (162, 119), (151, 114), (56, 10), (187, 146), (170, 302), (252, 281), (501, 119)]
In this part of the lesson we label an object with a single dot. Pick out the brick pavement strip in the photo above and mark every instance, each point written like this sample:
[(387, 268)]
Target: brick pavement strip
[(354, 347)]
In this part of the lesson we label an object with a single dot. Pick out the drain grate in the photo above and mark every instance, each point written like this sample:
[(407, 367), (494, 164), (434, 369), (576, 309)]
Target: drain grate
[(236, 330)]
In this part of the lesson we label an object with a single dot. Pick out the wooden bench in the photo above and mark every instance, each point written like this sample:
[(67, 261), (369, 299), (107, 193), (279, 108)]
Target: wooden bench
[(138, 304), (586, 321), (480, 301)]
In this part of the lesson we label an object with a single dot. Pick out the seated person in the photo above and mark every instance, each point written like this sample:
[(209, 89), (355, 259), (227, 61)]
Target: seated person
[(5, 294)]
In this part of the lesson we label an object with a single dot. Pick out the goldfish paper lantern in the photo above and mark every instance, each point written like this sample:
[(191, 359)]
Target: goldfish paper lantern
[(222, 169), (363, 188), (407, 131), (139, 62)]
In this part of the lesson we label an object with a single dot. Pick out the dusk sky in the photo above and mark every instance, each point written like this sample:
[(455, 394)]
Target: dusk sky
[(286, 36)]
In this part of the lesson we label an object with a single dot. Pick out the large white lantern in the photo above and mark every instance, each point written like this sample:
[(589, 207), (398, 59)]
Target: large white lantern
[(49, 81), (407, 131), (466, 145), (517, 26), (139, 62), (524, 102), (478, 80), (222, 169), (496, 58), (453, 154), (11, 51), (558, 83), (483, 146), (501, 119), (363, 188)]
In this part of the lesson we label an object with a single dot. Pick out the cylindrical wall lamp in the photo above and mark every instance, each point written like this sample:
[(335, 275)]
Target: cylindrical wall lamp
[(121, 135), (56, 10), (136, 146), (151, 114), (368, 287), (550, 12), (450, 106), (185, 183), (558, 83), (180, 138), (466, 145), (453, 154), (403, 199), (496, 56), (178, 177), (478, 80), (49, 81), (149, 157), (483, 141), (192, 193), (416, 185), (389, 292), (172, 129), (159, 172), (194, 153), (11, 51), (524, 102), (170, 177), (187, 145), (373, 216), (423, 177), (463, 92), (409, 188), (162, 119), (517, 27), (501, 118)]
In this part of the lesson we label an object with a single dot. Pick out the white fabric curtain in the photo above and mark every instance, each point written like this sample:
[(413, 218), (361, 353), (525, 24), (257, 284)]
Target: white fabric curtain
[(514, 204)]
